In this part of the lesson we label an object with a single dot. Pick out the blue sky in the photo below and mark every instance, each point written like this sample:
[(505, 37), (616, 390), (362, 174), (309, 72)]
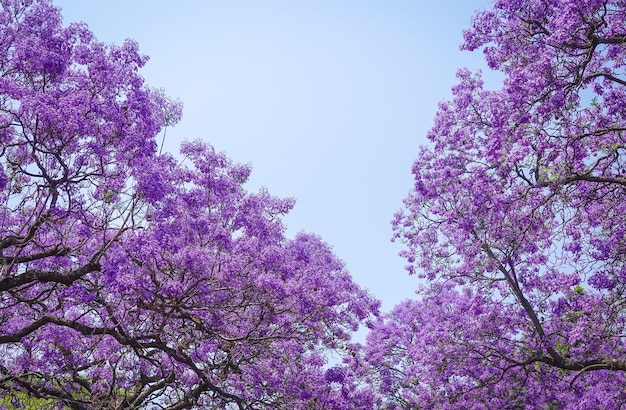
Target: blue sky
[(328, 100)]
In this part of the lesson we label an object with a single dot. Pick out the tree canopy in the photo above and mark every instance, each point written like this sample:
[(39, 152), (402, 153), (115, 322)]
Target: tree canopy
[(131, 279), (517, 223)]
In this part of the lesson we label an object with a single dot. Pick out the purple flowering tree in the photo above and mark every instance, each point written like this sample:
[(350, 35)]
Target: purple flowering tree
[(130, 279), (517, 223)]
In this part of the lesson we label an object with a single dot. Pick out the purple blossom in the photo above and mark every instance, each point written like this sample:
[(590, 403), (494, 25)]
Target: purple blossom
[(335, 375), (305, 395)]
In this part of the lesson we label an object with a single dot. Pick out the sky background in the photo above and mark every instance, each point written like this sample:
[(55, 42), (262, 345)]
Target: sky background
[(327, 100)]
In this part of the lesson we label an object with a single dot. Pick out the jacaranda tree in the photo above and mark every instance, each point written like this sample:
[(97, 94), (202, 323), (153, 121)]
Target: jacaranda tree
[(517, 223), (130, 279)]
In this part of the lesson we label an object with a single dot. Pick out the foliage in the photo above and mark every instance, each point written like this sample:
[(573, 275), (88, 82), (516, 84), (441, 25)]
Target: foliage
[(517, 222), (129, 280), (23, 401)]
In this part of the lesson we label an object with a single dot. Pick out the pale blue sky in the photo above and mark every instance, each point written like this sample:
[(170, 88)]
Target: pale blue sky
[(328, 100)]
